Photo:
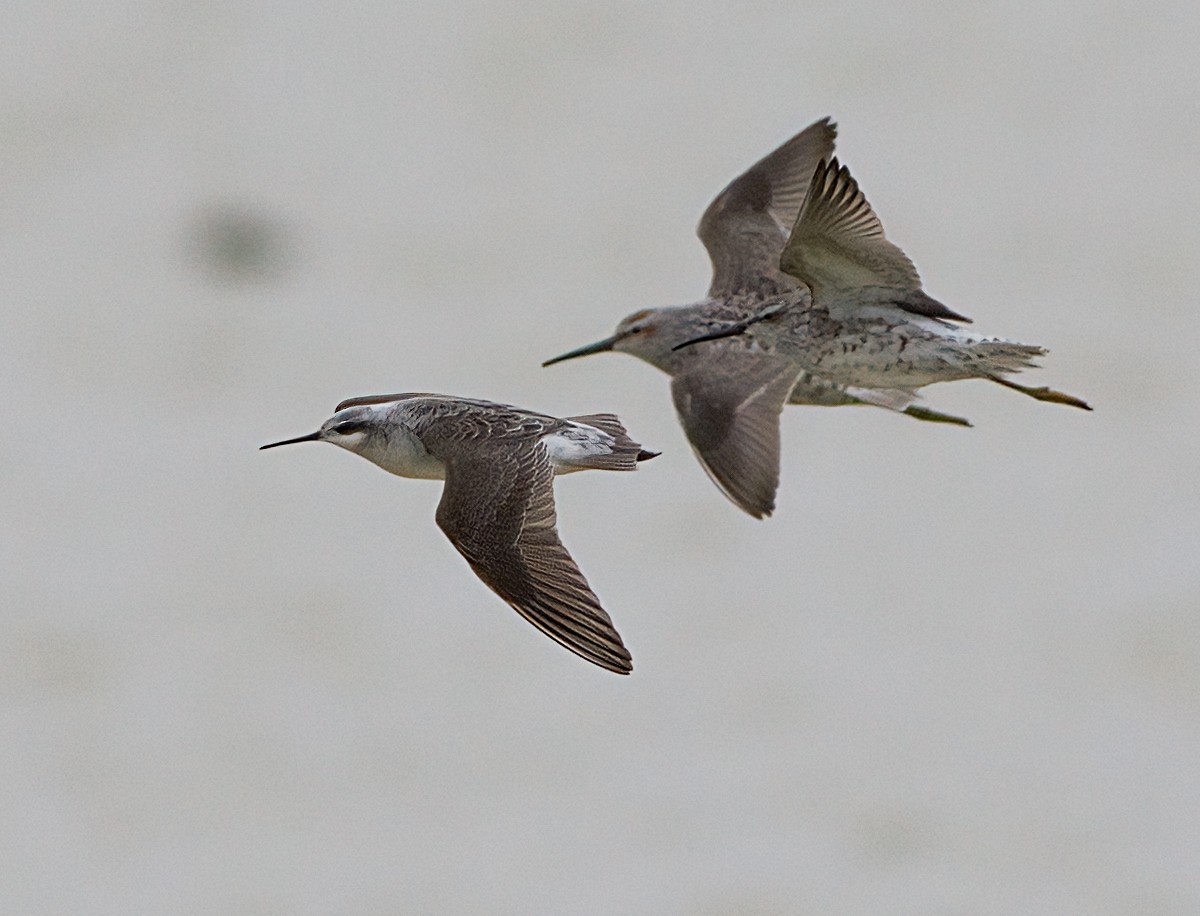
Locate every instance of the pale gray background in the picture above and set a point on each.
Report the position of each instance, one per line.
(958, 673)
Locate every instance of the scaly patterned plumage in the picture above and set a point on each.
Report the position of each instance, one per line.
(860, 317)
(729, 394)
(497, 506)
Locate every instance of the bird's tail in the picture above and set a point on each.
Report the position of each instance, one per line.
(997, 357)
(625, 453)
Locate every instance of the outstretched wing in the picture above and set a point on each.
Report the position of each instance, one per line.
(729, 406)
(837, 248)
(746, 225)
(497, 508)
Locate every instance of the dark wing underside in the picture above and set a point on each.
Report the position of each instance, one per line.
(497, 508)
(729, 406)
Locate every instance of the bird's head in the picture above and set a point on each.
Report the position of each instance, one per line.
(352, 429)
(648, 334)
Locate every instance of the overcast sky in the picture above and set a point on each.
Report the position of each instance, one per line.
(957, 673)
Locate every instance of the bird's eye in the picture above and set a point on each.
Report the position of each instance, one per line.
(348, 427)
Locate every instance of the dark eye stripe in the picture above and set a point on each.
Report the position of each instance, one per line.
(349, 426)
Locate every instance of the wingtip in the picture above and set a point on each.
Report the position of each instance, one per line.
(758, 513)
(621, 663)
(646, 455)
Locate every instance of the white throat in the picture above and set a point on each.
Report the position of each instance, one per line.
(398, 452)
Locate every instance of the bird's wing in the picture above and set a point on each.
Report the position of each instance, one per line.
(379, 399)
(497, 508)
(729, 406)
(745, 226)
(837, 248)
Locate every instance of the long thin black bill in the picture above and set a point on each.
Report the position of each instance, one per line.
(311, 437)
(600, 346)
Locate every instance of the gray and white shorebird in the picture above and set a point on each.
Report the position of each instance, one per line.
(860, 317)
(497, 506)
(729, 394)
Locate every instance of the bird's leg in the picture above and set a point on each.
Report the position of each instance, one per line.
(1043, 393)
(933, 416)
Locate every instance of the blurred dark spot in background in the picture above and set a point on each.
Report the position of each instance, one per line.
(239, 243)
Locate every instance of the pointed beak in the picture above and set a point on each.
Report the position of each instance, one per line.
(311, 437)
(600, 346)
(732, 331)
(741, 327)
